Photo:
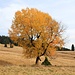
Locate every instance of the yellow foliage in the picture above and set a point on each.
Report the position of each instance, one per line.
(36, 32)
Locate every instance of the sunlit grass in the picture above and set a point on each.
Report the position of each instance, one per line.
(41, 70)
(12, 62)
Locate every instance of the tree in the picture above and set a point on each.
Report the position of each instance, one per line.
(11, 43)
(72, 47)
(5, 40)
(36, 32)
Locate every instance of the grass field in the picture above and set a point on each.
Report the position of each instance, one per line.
(12, 62)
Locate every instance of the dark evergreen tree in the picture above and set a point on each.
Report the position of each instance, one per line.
(72, 47)
(5, 41)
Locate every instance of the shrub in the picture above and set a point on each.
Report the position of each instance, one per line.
(46, 62)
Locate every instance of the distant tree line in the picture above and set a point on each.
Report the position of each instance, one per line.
(66, 49)
(63, 49)
(6, 40)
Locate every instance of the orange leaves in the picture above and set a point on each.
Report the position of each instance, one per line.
(36, 32)
(17, 14)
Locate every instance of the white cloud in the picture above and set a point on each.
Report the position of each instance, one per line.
(6, 17)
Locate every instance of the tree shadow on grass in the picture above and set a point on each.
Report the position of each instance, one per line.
(5, 63)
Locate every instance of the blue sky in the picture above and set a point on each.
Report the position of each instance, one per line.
(61, 10)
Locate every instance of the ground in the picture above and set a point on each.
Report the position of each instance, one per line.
(12, 62)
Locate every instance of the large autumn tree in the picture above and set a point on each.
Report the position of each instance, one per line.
(36, 32)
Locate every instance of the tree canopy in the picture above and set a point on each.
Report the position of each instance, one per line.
(36, 32)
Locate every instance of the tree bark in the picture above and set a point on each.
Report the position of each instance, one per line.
(37, 59)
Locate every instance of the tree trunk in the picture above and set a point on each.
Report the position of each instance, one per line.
(5, 45)
(37, 59)
(11, 45)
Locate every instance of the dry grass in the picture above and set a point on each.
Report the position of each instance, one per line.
(12, 62)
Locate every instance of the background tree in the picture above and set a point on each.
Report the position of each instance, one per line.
(36, 32)
(4, 40)
(72, 47)
(11, 43)
(7, 40)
